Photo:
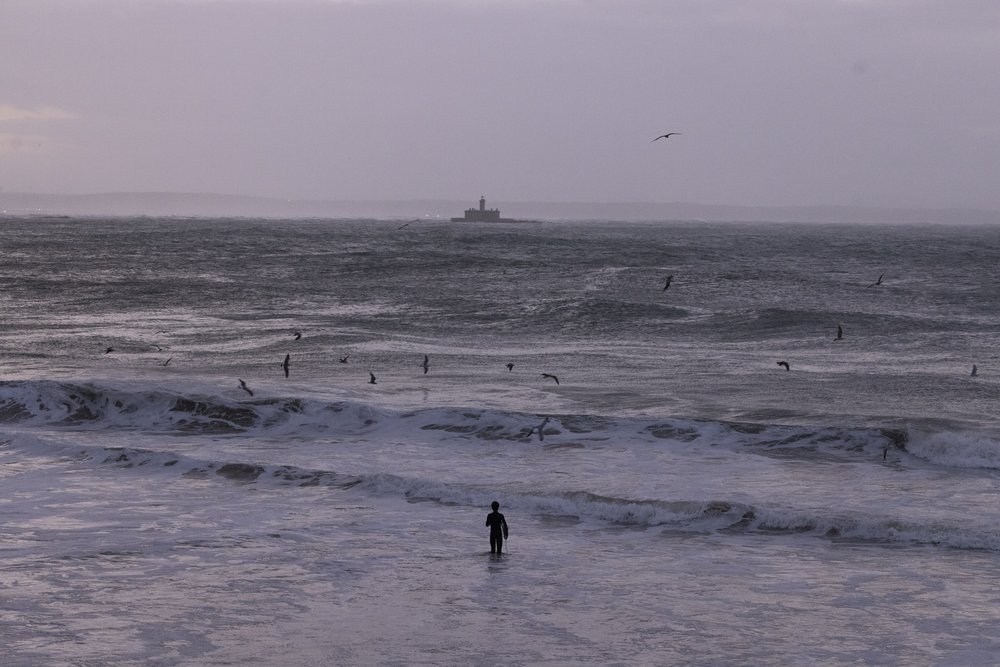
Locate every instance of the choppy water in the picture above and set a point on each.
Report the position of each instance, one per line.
(691, 502)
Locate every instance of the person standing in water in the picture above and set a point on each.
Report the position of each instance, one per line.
(498, 528)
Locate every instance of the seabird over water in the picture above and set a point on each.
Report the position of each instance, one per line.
(343, 359)
(372, 380)
(426, 364)
(541, 429)
(297, 334)
(407, 224)
(244, 387)
(166, 362)
(109, 350)
(785, 364)
(666, 136)
(877, 282)
(510, 367)
(549, 375)
(284, 364)
(670, 279)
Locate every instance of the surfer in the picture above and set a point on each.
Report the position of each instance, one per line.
(498, 528)
(840, 333)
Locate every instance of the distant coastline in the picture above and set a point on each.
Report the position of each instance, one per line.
(218, 205)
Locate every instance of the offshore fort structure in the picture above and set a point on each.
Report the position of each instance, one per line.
(482, 214)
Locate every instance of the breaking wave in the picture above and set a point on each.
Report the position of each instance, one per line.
(93, 406)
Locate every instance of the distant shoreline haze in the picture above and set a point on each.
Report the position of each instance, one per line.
(216, 205)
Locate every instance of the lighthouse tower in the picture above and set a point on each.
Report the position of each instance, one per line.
(482, 214)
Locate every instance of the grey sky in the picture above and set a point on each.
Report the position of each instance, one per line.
(779, 102)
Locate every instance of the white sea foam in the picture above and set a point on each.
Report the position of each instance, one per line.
(957, 450)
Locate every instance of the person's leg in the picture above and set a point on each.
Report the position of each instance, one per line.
(493, 544)
(499, 544)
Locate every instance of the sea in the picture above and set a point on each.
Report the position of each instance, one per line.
(220, 445)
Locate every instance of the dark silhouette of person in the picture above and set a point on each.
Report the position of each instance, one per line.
(498, 528)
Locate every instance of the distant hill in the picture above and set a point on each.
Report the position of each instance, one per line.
(216, 205)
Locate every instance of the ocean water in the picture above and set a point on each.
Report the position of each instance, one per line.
(688, 501)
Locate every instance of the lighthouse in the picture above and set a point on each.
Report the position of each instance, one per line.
(482, 214)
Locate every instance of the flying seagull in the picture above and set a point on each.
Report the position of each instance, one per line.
(666, 136)
(877, 282)
(343, 359)
(785, 364)
(549, 375)
(297, 334)
(840, 333)
(372, 381)
(109, 350)
(284, 364)
(408, 224)
(670, 279)
(244, 387)
(510, 367)
(426, 364)
(166, 362)
(541, 429)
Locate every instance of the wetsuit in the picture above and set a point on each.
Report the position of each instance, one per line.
(498, 531)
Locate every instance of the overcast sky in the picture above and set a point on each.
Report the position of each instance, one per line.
(779, 102)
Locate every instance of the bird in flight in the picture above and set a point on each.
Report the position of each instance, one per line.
(372, 380)
(343, 359)
(510, 367)
(785, 364)
(426, 364)
(244, 387)
(877, 282)
(670, 279)
(666, 136)
(297, 334)
(109, 350)
(284, 364)
(549, 375)
(166, 362)
(408, 224)
(541, 429)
